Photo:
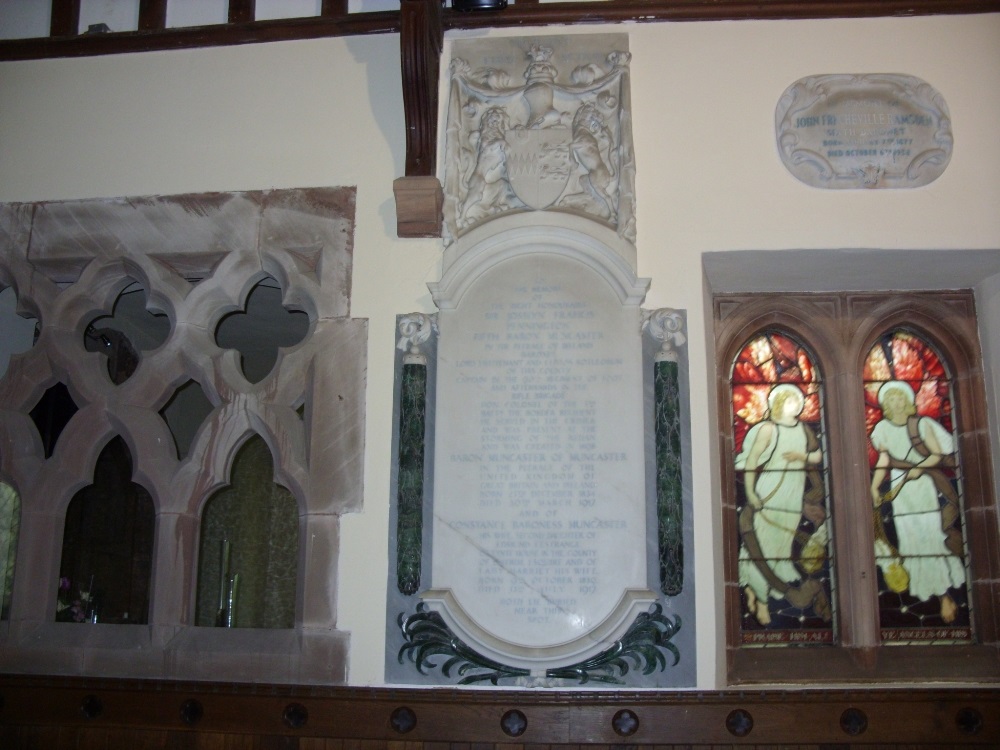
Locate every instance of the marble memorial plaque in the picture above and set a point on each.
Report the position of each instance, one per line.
(863, 131)
(539, 496)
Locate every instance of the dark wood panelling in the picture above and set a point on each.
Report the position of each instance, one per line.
(242, 30)
(38, 712)
(221, 35)
(645, 11)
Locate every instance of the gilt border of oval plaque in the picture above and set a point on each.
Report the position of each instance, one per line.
(877, 130)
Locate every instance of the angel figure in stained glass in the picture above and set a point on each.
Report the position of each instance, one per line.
(776, 456)
(912, 450)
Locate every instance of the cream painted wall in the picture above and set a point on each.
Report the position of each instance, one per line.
(329, 112)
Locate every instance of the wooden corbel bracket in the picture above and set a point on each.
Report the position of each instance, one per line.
(419, 197)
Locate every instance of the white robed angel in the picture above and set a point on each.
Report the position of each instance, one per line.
(774, 458)
(933, 568)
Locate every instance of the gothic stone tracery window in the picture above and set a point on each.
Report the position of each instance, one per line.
(169, 410)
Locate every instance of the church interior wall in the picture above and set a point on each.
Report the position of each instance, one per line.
(709, 180)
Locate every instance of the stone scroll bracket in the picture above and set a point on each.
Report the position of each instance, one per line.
(419, 197)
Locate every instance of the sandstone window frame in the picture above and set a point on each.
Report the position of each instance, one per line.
(839, 328)
(197, 256)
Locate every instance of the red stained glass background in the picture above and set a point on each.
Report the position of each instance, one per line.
(769, 359)
(901, 355)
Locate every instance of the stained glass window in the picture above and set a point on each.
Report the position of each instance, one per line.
(782, 504)
(916, 493)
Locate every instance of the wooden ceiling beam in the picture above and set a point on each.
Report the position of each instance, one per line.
(651, 11)
(334, 21)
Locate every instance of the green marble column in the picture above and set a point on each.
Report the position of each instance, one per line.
(669, 511)
(666, 326)
(410, 481)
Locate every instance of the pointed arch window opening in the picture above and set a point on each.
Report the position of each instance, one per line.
(248, 551)
(10, 524)
(107, 548)
(786, 565)
(921, 551)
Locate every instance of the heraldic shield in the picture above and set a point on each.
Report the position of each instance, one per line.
(539, 165)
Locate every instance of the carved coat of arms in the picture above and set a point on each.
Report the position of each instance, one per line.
(542, 143)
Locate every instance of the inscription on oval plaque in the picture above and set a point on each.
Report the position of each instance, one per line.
(863, 131)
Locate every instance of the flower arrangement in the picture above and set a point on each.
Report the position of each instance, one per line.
(69, 608)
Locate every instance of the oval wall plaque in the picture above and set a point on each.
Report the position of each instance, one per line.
(878, 130)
